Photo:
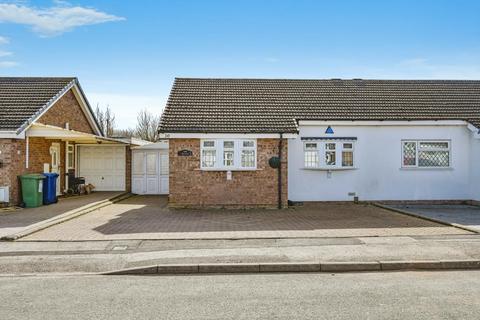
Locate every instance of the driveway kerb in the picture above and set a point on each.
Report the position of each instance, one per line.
(331, 267)
(413, 214)
(66, 216)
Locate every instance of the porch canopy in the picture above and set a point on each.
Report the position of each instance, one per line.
(53, 132)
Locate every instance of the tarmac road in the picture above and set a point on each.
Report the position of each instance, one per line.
(395, 295)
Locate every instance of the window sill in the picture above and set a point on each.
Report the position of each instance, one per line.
(426, 168)
(233, 169)
(331, 169)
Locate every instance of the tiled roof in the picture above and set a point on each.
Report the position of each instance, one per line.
(274, 105)
(21, 98)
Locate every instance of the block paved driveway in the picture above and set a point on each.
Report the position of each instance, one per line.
(147, 217)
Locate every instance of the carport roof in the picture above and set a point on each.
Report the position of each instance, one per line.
(200, 105)
(53, 132)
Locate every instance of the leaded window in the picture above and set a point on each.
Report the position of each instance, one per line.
(426, 154)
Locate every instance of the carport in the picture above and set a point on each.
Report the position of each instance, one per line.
(100, 160)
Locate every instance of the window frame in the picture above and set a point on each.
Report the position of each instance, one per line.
(209, 148)
(321, 152)
(237, 149)
(418, 149)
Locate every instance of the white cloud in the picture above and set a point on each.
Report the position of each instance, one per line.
(126, 107)
(8, 64)
(5, 53)
(54, 20)
(4, 40)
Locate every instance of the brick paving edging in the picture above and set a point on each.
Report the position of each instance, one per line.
(167, 269)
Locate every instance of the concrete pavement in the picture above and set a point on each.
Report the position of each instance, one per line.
(405, 295)
(23, 257)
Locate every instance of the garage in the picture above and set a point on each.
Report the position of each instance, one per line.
(150, 169)
(102, 166)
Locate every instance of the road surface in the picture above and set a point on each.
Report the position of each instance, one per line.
(401, 295)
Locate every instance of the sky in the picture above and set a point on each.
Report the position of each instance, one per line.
(127, 53)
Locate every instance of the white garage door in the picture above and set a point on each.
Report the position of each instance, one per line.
(150, 171)
(102, 166)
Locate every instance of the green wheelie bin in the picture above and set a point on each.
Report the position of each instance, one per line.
(32, 189)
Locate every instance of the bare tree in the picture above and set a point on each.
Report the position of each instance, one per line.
(147, 126)
(124, 133)
(106, 120)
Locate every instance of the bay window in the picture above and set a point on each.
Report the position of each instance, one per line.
(425, 154)
(232, 154)
(328, 154)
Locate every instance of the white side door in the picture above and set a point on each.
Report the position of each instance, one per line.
(164, 171)
(151, 173)
(55, 163)
(138, 172)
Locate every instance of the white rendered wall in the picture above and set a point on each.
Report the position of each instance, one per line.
(379, 174)
(475, 168)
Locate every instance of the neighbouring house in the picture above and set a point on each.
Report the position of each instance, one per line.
(334, 139)
(47, 125)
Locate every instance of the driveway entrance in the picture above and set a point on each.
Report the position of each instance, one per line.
(148, 217)
(20, 219)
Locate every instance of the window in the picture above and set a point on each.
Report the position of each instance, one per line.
(311, 155)
(248, 154)
(328, 154)
(70, 158)
(233, 154)
(347, 155)
(209, 154)
(228, 153)
(426, 154)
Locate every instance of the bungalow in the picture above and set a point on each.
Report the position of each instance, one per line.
(47, 125)
(262, 142)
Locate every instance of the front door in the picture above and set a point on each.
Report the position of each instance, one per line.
(55, 162)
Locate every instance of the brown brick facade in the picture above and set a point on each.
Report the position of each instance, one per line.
(192, 187)
(67, 110)
(14, 162)
(13, 151)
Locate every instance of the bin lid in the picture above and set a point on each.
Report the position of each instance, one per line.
(50, 174)
(33, 176)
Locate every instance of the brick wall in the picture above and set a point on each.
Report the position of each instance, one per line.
(191, 187)
(67, 109)
(14, 162)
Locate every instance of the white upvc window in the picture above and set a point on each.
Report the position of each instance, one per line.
(209, 154)
(228, 154)
(328, 154)
(426, 153)
(248, 153)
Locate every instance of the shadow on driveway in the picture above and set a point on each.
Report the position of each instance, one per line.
(465, 215)
(150, 214)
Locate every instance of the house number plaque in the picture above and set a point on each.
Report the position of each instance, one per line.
(185, 153)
